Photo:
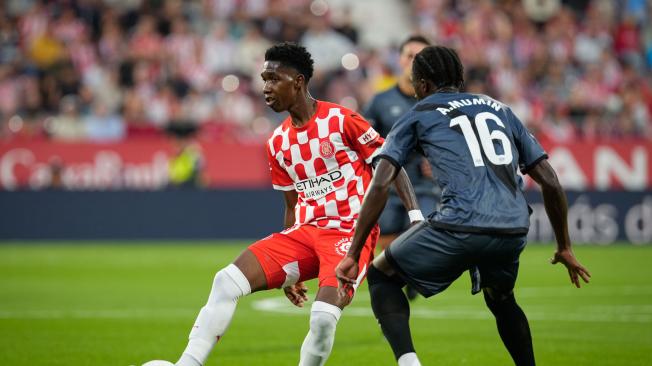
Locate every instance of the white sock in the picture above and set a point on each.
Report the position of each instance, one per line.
(319, 342)
(187, 360)
(409, 359)
(214, 318)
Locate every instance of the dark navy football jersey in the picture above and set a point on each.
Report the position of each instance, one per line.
(475, 146)
(382, 112)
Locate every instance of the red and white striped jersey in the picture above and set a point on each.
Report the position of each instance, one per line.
(328, 162)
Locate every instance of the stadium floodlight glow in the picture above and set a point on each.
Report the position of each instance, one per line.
(230, 83)
(15, 123)
(350, 61)
(318, 7)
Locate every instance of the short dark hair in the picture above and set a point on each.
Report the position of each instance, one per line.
(292, 55)
(413, 38)
(439, 65)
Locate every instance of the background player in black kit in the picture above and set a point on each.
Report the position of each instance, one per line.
(476, 146)
(382, 112)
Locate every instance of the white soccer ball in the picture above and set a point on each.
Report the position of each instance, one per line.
(158, 363)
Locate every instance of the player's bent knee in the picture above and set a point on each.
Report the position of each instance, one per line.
(498, 295)
(322, 325)
(497, 299)
(323, 320)
(376, 276)
(318, 343)
(229, 284)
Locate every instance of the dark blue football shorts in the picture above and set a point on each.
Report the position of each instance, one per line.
(430, 259)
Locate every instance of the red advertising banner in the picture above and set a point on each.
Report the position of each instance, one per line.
(143, 164)
(623, 165)
(134, 164)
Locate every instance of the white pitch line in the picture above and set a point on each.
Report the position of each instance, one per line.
(634, 313)
(615, 313)
(625, 313)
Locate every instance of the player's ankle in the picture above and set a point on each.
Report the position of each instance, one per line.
(197, 350)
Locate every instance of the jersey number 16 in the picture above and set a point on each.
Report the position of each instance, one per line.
(486, 139)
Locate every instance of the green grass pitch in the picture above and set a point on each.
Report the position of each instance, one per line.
(120, 304)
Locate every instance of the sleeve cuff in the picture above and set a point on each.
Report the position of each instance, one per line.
(283, 188)
(390, 159)
(534, 163)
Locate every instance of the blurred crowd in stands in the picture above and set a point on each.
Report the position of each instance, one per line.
(107, 70)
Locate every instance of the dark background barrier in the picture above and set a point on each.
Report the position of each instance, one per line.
(598, 217)
(194, 214)
(594, 217)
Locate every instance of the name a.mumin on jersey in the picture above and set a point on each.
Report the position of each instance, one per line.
(467, 102)
(318, 186)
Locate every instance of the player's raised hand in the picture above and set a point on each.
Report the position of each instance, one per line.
(575, 269)
(347, 274)
(297, 293)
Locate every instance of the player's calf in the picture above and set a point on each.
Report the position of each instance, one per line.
(214, 318)
(392, 310)
(512, 325)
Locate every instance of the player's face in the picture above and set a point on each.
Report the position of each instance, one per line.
(408, 53)
(281, 86)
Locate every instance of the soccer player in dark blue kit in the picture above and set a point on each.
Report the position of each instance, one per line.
(382, 112)
(475, 146)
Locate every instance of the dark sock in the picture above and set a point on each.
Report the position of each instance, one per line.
(392, 310)
(513, 326)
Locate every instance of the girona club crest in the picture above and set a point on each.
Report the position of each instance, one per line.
(326, 149)
(342, 247)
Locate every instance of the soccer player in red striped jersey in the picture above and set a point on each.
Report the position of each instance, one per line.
(327, 163)
(320, 158)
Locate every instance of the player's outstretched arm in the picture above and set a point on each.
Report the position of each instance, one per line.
(554, 200)
(372, 206)
(406, 191)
